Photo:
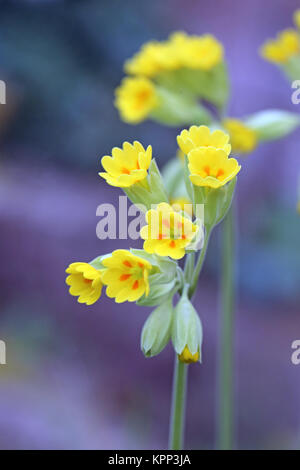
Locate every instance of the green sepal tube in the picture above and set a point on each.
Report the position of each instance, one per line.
(150, 191)
(156, 332)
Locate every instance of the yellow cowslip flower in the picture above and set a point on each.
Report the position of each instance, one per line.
(182, 204)
(153, 58)
(281, 49)
(197, 52)
(126, 166)
(187, 357)
(85, 282)
(168, 233)
(200, 136)
(126, 276)
(135, 99)
(296, 18)
(243, 139)
(211, 167)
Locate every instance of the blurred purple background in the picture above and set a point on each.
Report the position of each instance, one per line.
(75, 377)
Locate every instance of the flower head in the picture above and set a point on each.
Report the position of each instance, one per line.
(126, 276)
(168, 233)
(126, 166)
(187, 357)
(243, 139)
(211, 167)
(85, 282)
(201, 136)
(153, 58)
(197, 52)
(281, 49)
(135, 99)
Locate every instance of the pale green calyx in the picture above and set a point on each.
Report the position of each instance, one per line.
(186, 328)
(156, 331)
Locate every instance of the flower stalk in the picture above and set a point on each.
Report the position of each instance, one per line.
(177, 420)
(226, 352)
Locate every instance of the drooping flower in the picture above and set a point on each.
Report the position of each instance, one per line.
(85, 282)
(187, 357)
(281, 49)
(197, 52)
(243, 139)
(211, 167)
(135, 99)
(126, 276)
(126, 166)
(168, 233)
(201, 136)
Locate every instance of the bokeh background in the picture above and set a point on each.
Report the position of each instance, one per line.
(75, 377)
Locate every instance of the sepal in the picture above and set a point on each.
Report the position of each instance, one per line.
(186, 327)
(156, 332)
(273, 124)
(150, 191)
(216, 202)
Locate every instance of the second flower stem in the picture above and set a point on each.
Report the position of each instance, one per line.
(178, 405)
(226, 355)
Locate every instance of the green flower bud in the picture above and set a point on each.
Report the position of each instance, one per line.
(187, 331)
(156, 331)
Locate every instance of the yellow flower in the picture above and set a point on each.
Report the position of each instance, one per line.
(187, 357)
(197, 52)
(126, 276)
(85, 282)
(296, 18)
(279, 50)
(153, 58)
(182, 204)
(135, 99)
(168, 233)
(126, 166)
(200, 136)
(211, 167)
(243, 139)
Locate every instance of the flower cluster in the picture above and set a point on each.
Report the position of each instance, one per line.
(167, 81)
(284, 51)
(156, 73)
(152, 276)
(178, 51)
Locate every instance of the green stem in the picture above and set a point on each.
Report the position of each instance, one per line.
(226, 379)
(178, 405)
(199, 264)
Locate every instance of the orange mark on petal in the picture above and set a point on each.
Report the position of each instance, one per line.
(125, 171)
(87, 281)
(135, 285)
(172, 244)
(160, 236)
(126, 263)
(124, 277)
(140, 264)
(207, 170)
(220, 172)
